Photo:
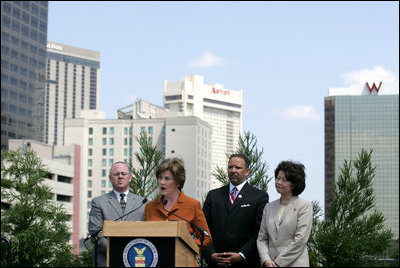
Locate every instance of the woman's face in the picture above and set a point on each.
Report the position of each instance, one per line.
(167, 183)
(283, 186)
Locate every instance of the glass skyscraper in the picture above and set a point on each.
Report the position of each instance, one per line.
(23, 65)
(365, 116)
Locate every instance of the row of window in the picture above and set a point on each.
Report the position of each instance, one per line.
(111, 130)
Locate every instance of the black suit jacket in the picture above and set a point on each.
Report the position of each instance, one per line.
(235, 228)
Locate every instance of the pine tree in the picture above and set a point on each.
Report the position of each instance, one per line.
(144, 181)
(353, 230)
(35, 225)
(258, 169)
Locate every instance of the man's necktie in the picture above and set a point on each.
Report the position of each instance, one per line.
(233, 194)
(122, 202)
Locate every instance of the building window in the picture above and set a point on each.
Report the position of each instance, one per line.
(142, 129)
(104, 130)
(111, 130)
(103, 172)
(125, 131)
(104, 162)
(104, 141)
(90, 162)
(89, 183)
(90, 131)
(111, 141)
(150, 130)
(103, 183)
(90, 141)
(89, 173)
(104, 151)
(89, 194)
(90, 151)
(111, 153)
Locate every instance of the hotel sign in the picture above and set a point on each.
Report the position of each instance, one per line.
(373, 87)
(54, 46)
(220, 91)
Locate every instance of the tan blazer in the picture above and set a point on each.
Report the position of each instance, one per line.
(285, 241)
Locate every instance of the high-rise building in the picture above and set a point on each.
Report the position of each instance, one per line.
(23, 62)
(365, 116)
(106, 141)
(72, 85)
(220, 107)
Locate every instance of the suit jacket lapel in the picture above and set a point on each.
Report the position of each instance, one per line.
(275, 212)
(112, 199)
(289, 207)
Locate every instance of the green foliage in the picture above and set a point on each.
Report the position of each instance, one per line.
(352, 230)
(258, 169)
(144, 181)
(35, 225)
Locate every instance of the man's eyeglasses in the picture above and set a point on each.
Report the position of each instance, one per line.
(116, 174)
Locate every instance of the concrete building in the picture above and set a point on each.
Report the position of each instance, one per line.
(23, 62)
(72, 85)
(63, 162)
(366, 116)
(106, 141)
(220, 107)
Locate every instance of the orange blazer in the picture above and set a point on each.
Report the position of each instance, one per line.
(185, 207)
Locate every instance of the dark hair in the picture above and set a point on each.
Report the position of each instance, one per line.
(294, 173)
(246, 160)
(175, 165)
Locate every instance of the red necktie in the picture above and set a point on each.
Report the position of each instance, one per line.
(233, 195)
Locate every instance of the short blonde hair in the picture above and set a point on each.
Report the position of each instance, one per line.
(176, 167)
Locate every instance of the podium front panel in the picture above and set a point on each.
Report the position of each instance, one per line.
(136, 251)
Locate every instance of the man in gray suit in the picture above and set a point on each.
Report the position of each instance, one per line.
(118, 204)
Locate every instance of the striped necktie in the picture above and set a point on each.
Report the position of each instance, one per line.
(122, 202)
(233, 194)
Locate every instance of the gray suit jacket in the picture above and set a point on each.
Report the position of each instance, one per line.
(285, 241)
(107, 207)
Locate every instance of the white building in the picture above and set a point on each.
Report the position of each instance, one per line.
(63, 162)
(72, 85)
(106, 141)
(220, 107)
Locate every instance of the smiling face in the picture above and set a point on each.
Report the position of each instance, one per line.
(237, 171)
(167, 183)
(120, 177)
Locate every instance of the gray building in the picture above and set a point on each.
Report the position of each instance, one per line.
(23, 63)
(365, 116)
(72, 85)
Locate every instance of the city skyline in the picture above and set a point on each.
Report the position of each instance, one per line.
(284, 56)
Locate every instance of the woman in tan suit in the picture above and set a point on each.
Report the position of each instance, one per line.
(286, 222)
(171, 178)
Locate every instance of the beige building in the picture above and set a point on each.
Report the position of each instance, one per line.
(63, 162)
(105, 141)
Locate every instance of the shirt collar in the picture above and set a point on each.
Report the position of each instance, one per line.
(117, 194)
(239, 187)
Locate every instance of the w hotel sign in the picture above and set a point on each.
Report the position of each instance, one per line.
(373, 87)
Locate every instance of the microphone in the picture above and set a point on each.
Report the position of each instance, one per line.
(133, 210)
(201, 230)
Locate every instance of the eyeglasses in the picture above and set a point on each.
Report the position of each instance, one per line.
(116, 174)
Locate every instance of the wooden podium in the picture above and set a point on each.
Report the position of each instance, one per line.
(166, 243)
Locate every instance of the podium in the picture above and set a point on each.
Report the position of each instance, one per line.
(149, 243)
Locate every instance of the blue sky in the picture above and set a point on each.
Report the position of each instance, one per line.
(283, 55)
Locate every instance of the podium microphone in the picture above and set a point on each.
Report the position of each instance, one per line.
(201, 230)
(143, 202)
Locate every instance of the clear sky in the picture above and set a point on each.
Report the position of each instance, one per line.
(283, 55)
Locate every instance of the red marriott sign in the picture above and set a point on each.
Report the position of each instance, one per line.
(220, 91)
(373, 87)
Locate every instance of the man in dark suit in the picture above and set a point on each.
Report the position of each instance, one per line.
(113, 206)
(233, 213)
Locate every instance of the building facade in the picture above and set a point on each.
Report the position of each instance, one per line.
(72, 85)
(23, 62)
(63, 162)
(106, 141)
(365, 116)
(220, 107)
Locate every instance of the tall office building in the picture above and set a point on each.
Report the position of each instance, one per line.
(72, 85)
(23, 62)
(220, 107)
(365, 116)
(106, 141)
